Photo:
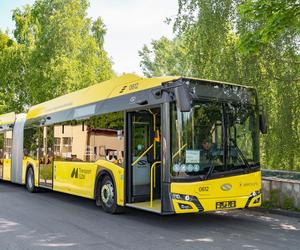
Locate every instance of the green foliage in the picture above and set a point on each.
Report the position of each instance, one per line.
(288, 202)
(46, 172)
(214, 35)
(275, 197)
(58, 49)
(279, 200)
(13, 87)
(99, 31)
(5, 41)
(164, 57)
(109, 121)
(267, 20)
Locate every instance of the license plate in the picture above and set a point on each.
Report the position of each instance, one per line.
(225, 204)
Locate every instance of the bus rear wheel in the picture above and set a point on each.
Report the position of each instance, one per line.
(108, 196)
(30, 180)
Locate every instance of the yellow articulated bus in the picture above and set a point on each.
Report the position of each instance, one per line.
(166, 145)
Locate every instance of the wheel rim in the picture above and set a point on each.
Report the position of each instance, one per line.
(107, 194)
(30, 179)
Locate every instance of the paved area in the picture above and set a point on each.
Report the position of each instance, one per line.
(50, 220)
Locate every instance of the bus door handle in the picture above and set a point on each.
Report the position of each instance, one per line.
(153, 180)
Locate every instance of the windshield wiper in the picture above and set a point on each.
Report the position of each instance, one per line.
(210, 170)
(239, 152)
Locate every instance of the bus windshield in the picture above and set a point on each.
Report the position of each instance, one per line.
(214, 137)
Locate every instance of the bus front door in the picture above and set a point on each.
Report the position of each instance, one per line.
(143, 143)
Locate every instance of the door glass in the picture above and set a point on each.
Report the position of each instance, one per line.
(46, 156)
(141, 141)
(31, 143)
(1, 154)
(145, 150)
(7, 144)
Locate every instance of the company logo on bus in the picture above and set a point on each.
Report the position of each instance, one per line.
(226, 187)
(132, 99)
(79, 173)
(74, 173)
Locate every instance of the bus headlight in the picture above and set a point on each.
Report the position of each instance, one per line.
(183, 197)
(188, 198)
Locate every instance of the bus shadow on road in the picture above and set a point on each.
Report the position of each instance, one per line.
(213, 221)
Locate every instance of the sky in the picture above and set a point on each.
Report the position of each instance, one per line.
(130, 24)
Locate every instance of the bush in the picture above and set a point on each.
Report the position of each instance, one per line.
(280, 200)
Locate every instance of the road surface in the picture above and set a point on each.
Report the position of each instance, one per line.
(50, 220)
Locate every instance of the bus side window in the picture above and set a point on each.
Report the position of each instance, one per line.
(106, 133)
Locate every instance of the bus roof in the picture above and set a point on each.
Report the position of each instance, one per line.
(108, 89)
(8, 118)
(126, 84)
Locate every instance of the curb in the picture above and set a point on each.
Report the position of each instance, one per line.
(278, 211)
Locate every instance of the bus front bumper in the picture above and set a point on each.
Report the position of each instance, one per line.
(192, 204)
(234, 192)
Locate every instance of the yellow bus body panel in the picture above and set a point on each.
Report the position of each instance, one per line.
(209, 192)
(118, 175)
(118, 86)
(6, 169)
(8, 118)
(78, 178)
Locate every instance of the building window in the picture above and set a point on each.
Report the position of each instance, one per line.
(67, 146)
(57, 142)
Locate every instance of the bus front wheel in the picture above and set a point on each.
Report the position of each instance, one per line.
(108, 196)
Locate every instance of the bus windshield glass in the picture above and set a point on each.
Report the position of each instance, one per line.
(214, 137)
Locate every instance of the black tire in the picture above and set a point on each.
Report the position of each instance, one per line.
(30, 180)
(108, 196)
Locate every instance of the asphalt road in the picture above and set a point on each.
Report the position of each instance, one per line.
(50, 220)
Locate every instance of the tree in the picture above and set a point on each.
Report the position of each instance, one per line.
(57, 49)
(13, 92)
(164, 57)
(268, 20)
(213, 34)
(5, 41)
(99, 31)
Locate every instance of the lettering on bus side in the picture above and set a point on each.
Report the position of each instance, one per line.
(134, 86)
(79, 173)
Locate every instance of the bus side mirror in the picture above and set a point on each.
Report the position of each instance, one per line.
(262, 121)
(183, 98)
